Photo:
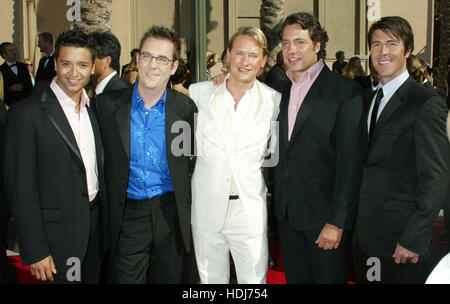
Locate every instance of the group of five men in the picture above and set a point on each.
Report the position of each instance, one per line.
(116, 176)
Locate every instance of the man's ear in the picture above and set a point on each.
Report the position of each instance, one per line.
(175, 65)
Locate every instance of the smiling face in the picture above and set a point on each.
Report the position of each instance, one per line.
(388, 55)
(152, 76)
(299, 51)
(73, 67)
(246, 59)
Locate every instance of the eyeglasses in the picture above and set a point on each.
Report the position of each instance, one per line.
(160, 60)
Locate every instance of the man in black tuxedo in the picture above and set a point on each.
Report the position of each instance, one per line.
(321, 152)
(16, 78)
(147, 173)
(406, 171)
(46, 69)
(54, 172)
(107, 62)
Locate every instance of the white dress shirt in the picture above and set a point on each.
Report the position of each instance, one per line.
(101, 86)
(388, 90)
(84, 135)
(237, 117)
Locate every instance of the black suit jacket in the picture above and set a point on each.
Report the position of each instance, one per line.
(48, 72)
(115, 83)
(318, 175)
(45, 181)
(114, 112)
(9, 79)
(406, 173)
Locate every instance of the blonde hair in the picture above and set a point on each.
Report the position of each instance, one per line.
(253, 32)
(352, 69)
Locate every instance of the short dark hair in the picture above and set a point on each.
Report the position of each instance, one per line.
(397, 26)
(316, 31)
(3, 47)
(161, 32)
(75, 38)
(106, 44)
(46, 36)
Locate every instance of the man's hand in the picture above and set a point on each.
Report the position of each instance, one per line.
(402, 255)
(43, 269)
(330, 237)
(218, 79)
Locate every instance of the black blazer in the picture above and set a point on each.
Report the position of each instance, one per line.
(114, 112)
(48, 72)
(115, 83)
(45, 181)
(318, 175)
(9, 79)
(406, 173)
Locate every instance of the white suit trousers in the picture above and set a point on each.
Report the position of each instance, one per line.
(250, 253)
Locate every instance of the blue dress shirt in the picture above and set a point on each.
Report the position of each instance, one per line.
(149, 170)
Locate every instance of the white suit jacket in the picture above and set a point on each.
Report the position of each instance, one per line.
(223, 154)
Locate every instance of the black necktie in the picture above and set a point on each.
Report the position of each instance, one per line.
(373, 117)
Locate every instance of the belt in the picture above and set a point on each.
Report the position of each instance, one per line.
(166, 197)
(233, 197)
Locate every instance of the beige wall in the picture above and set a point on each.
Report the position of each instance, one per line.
(131, 18)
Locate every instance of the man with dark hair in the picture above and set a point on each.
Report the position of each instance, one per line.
(107, 62)
(16, 78)
(406, 171)
(339, 64)
(321, 152)
(46, 68)
(370, 82)
(276, 77)
(148, 173)
(54, 172)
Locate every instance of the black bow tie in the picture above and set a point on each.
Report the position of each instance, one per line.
(375, 83)
(14, 64)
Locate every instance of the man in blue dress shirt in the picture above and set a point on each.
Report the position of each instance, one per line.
(149, 168)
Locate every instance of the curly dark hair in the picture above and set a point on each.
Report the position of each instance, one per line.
(76, 38)
(316, 31)
(106, 44)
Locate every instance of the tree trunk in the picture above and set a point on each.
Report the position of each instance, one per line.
(444, 46)
(271, 18)
(95, 15)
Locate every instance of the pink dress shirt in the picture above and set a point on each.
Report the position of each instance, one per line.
(299, 90)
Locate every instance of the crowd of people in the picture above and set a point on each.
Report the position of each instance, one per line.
(142, 177)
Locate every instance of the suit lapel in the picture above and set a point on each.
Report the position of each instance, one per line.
(310, 102)
(171, 117)
(391, 107)
(55, 113)
(218, 110)
(123, 117)
(97, 137)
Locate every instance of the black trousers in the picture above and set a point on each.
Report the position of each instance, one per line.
(306, 263)
(92, 262)
(389, 271)
(150, 248)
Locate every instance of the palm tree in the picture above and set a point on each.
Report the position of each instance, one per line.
(271, 18)
(444, 45)
(95, 15)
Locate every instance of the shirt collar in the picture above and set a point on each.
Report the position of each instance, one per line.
(64, 99)
(11, 63)
(137, 102)
(101, 86)
(392, 86)
(309, 74)
(249, 92)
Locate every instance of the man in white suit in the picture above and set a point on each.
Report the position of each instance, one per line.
(234, 127)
